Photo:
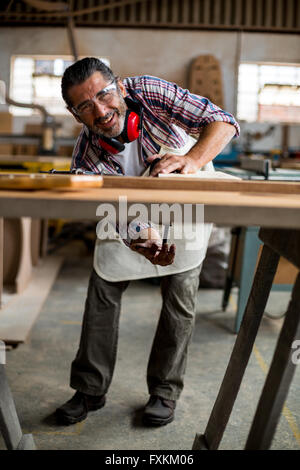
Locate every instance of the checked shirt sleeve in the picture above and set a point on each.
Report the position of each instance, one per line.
(178, 106)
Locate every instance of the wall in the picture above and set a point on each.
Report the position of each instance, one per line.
(165, 53)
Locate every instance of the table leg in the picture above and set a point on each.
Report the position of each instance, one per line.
(1, 260)
(240, 355)
(9, 422)
(249, 260)
(278, 380)
(235, 238)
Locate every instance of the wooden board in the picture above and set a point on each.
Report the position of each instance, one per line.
(205, 79)
(6, 127)
(20, 181)
(25, 181)
(202, 184)
(222, 207)
(292, 164)
(226, 202)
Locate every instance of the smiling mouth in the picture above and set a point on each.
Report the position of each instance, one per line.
(106, 122)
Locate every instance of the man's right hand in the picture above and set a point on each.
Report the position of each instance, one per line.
(154, 251)
(149, 244)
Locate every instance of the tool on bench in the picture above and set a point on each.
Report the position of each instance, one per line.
(67, 172)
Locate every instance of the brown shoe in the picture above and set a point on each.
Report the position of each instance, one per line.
(77, 408)
(159, 411)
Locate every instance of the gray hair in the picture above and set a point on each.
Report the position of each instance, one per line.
(80, 71)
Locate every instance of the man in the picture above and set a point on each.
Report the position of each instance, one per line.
(126, 126)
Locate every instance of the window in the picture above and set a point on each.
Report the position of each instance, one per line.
(37, 79)
(269, 92)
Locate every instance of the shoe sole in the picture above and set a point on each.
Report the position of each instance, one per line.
(149, 421)
(66, 419)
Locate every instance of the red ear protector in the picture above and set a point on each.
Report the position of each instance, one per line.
(130, 133)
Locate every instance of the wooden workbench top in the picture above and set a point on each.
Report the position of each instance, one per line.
(233, 202)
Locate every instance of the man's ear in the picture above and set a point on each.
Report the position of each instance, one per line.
(75, 115)
(122, 87)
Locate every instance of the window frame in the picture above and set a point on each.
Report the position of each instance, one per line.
(240, 113)
(28, 112)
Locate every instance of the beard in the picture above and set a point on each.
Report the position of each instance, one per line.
(115, 130)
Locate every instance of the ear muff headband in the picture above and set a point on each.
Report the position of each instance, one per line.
(111, 145)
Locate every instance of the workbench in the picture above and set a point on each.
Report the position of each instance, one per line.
(273, 205)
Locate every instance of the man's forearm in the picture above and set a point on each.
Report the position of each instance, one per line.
(213, 139)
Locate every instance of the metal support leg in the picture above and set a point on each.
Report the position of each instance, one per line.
(241, 352)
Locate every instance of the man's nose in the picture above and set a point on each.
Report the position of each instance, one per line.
(100, 109)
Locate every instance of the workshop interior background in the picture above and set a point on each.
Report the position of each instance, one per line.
(245, 57)
(163, 38)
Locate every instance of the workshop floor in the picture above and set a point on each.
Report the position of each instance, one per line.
(38, 372)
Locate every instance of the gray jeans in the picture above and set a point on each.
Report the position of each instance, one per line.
(93, 367)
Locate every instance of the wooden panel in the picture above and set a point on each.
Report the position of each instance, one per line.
(286, 271)
(284, 242)
(6, 121)
(6, 125)
(205, 79)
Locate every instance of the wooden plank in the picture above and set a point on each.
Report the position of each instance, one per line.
(198, 184)
(290, 163)
(112, 194)
(6, 126)
(46, 181)
(156, 195)
(223, 207)
(18, 316)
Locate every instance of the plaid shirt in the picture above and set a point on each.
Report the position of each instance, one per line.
(169, 114)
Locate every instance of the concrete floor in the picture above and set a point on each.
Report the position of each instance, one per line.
(38, 372)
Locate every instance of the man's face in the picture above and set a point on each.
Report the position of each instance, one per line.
(104, 116)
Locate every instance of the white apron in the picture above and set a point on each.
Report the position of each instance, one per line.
(114, 261)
